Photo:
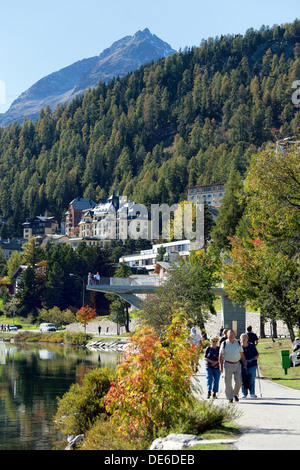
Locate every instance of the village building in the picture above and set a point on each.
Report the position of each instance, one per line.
(9, 246)
(114, 218)
(86, 224)
(75, 211)
(50, 239)
(211, 193)
(39, 226)
(147, 259)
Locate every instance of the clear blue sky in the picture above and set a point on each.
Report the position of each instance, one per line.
(39, 37)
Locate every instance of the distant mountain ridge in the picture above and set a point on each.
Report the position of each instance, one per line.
(186, 120)
(124, 55)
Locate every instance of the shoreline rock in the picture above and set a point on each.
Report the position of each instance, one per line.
(116, 346)
(176, 442)
(73, 441)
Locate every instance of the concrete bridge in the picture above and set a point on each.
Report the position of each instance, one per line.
(131, 288)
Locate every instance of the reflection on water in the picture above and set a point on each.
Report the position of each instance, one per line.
(31, 379)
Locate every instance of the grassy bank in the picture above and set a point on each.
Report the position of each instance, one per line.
(61, 337)
(20, 322)
(270, 362)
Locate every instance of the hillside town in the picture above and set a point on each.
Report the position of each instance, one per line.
(99, 223)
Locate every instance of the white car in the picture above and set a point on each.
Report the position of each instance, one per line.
(13, 328)
(46, 327)
(295, 356)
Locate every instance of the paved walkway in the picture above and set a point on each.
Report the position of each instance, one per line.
(269, 422)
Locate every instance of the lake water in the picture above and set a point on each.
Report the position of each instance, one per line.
(31, 379)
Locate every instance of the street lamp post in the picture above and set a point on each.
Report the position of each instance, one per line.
(79, 277)
(14, 292)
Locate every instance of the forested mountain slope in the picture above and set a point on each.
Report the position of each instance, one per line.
(184, 120)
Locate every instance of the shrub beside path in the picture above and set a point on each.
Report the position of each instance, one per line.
(268, 422)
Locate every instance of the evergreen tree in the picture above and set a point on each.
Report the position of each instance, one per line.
(13, 263)
(55, 288)
(32, 254)
(27, 293)
(3, 264)
(230, 212)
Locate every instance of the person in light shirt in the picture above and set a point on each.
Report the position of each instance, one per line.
(231, 353)
(194, 338)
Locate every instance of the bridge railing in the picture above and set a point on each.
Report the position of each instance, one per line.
(126, 281)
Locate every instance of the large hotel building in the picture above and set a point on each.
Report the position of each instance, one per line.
(213, 193)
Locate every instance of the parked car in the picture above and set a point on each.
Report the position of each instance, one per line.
(295, 356)
(13, 328)
(45, 327)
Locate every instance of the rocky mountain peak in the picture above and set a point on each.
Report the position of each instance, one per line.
(123, 56)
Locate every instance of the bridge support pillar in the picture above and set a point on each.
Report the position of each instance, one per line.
(234, 316)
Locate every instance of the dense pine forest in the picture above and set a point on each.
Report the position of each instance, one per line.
(184, 120)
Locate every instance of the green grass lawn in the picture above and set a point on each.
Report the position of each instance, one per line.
(18, 321)
(270, 362)
(226, 432)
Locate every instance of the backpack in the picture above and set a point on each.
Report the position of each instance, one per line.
(226, 340)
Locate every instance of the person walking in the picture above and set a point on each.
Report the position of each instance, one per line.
(252, 337)
(223, 337)
(195, 338)
(231, 352)
(248, 376)
(213, 373)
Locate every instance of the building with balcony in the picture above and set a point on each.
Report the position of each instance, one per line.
(104, 218)
(133, 220)
(75, 212)
(115, 218)
(39, 226)
(147, 259)
(212, 193)
(9, 246)
(89, 241)
(86, 224)
(283, 145)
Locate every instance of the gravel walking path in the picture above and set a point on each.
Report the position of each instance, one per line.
(268, 422)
